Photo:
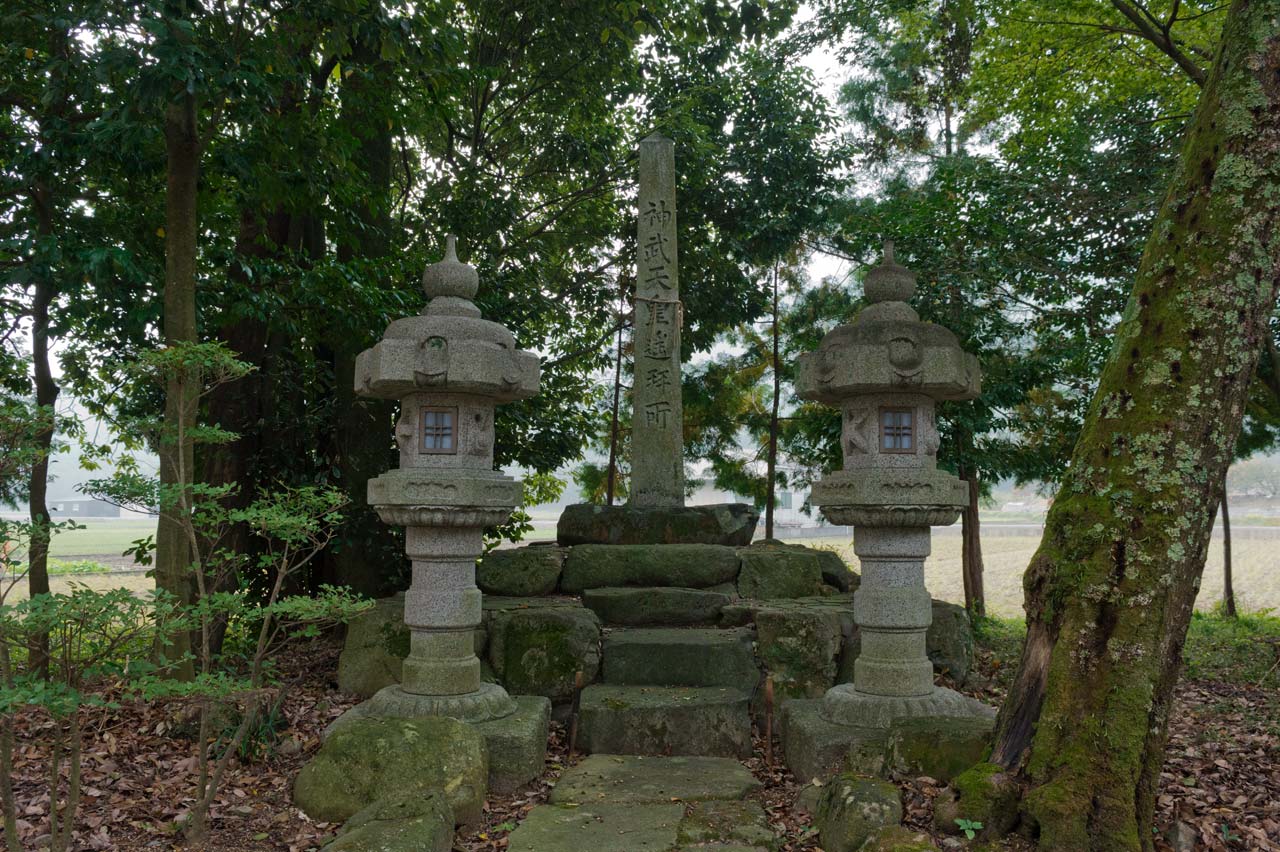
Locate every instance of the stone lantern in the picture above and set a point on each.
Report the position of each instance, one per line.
(886, 371)
(449, 368)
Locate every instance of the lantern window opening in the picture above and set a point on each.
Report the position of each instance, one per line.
(439, 429)
(897, 430)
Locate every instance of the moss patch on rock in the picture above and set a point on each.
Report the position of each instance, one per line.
(775, 570)
(853, 809)
(421, 821)
(742, 823)
(367, 759)
(984, 793)
(940, 747)
(520, 571)
(538, 651)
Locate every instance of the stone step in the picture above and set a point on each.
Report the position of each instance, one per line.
(665, 720)
(618, 778)
(656, 605)
(675, 656)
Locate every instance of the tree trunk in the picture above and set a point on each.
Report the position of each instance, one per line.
(1109, 592)
(1228, 588)
(611, 486)
(173, 558)
(771, 475)
(46, 399)
(975, 598)
(363, 428)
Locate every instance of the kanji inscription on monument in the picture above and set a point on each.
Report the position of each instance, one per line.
(657, 463)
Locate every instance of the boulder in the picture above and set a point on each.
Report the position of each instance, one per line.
(836, 572)
(798, 647)
(521, 571)
(776, 570)
(376, 644)
(940, 747)
(853, 808)
(983, 794)
(368, 758)
(537, 651)
(691, 566)
(949, 641)
(730, 524)
(421, 821)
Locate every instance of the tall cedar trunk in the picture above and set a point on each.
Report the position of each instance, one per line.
(46, 399)
(611, 484)
(173, 557)
(363, 428)
(975, 597)
(1109, 593)
(771, 474)
(1228, 587)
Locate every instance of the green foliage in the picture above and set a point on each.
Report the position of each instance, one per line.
(1241, 650)
(970, 827)
(538, 488)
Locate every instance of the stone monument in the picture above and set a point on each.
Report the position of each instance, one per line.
(655, 512)
(449, 368)
(885, 372)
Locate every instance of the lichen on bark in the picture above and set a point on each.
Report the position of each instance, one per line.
(1109, 592)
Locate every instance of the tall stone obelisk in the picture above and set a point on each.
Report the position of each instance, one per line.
(657, 417)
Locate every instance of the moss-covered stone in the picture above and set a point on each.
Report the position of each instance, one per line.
(521, 571)
(691, 566)
(619, 778)
(949, 641)
(815, 749)
(517, 743)
(537, 651)
(665, 720)
(836, 572)
(984, 793)
(598, 827)
(798, 647)
(854, 808)
(939, 747)
(660, 605)
(742, 823)
(376, 644)
(672, 656)
(898, 838)
(775, 570)
(731, 524)
(367, 759)
(421, 821)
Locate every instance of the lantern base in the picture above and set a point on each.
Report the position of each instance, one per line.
(490, 702)
(844, 705)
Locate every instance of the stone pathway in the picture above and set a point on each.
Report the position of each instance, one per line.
(623, 803)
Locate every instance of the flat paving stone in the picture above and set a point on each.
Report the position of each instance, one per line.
(616, 779)
(598, 827)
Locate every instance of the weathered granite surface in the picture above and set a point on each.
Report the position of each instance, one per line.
(772, 570)
(520, 571)
(367, 759)
(538, 650)
(659, 605)
(665, 720)
(694, 566)
(722, 825)
(670, 656)
(941, 748)
(421, 821)
(853, 809)
(657, 418)
(598, 827)
(517, 744)
(731, 524)
(623, 778)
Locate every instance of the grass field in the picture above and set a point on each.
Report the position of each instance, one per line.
(101, 537)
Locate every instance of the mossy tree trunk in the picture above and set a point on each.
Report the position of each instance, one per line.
(1110, 591)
